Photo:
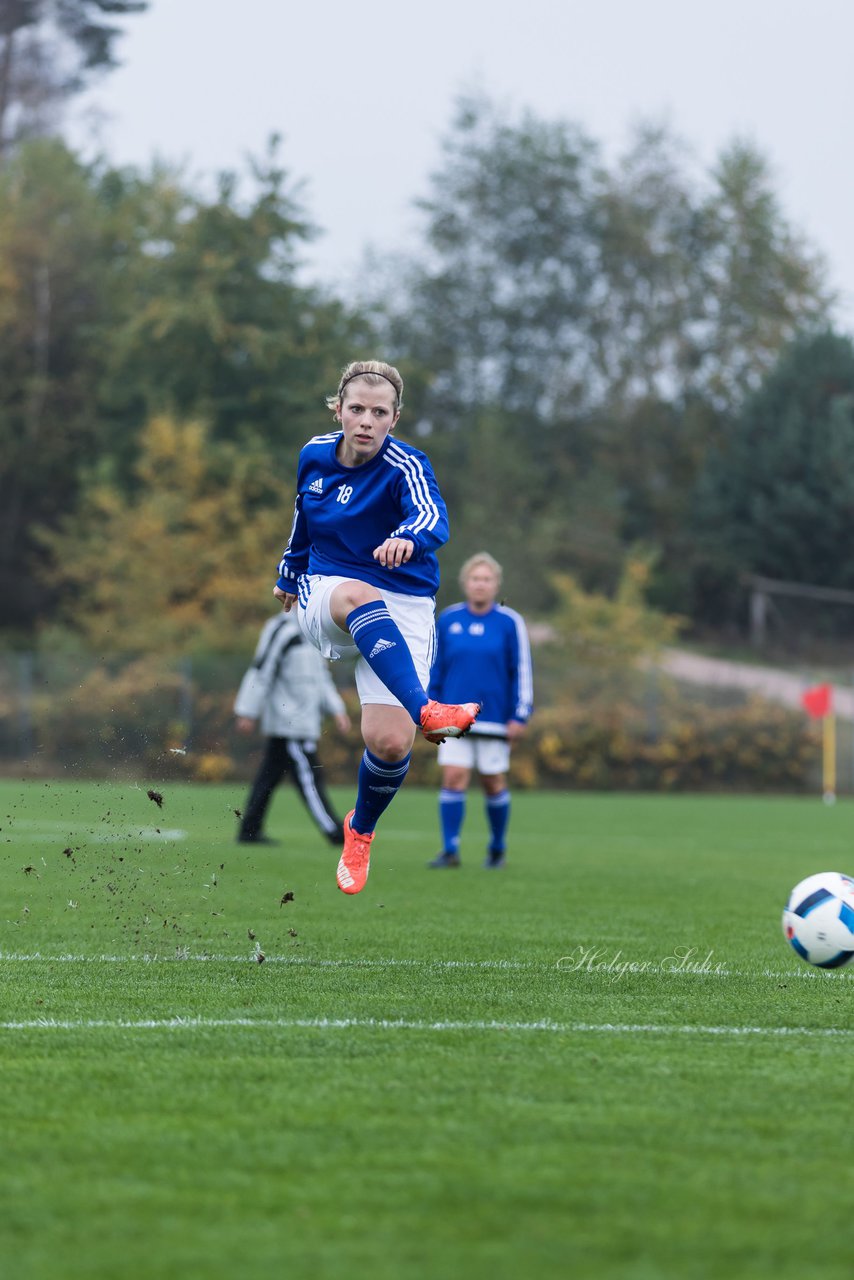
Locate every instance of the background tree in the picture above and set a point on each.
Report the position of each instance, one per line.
(760, 283)
(208, 318)
(776, 497)
(50, 49)
(575, 338)
(52, 288)
(493, 323)
(604, 324)
(608, 639)
(182, 566)
(509, 265)
(124, 295)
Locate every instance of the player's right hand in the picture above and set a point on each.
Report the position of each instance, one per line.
(287, 598)
(394, 552)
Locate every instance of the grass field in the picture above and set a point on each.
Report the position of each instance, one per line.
(603, 1061)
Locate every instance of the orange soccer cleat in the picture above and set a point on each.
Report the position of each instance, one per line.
(441, 720)
(355, 862)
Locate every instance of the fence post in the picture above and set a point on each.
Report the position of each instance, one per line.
(25, 705)
(758, 617)
(186, 699)
(652, 700)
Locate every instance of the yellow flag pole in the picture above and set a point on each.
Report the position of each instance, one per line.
(828, 740)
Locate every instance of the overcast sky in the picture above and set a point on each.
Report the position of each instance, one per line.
(362, 93)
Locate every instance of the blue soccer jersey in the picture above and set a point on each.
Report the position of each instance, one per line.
(484, 657)
(343, 513)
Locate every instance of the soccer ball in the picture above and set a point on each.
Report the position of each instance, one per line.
(818, 919)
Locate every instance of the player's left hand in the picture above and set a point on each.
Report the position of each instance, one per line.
(394, 552)
(515, 730)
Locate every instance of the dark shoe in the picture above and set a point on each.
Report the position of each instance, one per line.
(445, 860)
(495, 858)
(257, 840)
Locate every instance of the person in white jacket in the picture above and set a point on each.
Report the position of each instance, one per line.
(288, 689)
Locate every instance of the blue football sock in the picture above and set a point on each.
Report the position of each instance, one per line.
(498, 816)
(383, 647)
(379, 783)
(452, 811)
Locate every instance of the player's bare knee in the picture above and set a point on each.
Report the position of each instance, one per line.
(390, 745)
(387, 731)
(348, 596)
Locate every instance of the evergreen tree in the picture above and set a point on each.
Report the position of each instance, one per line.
(776, 498)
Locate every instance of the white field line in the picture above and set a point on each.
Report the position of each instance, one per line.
(38, 834)
(613, 972)
(405, 1024)
(306, 961)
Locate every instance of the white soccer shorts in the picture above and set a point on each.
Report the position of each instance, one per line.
(486, 755)
(414, 616)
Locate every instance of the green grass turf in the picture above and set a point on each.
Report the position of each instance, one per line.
(602, 1061)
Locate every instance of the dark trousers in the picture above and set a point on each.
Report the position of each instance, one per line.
(289, 757)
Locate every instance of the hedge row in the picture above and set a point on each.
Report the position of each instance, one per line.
(139, 718)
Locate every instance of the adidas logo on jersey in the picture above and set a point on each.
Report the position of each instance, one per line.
(380, 647)
(316, 486)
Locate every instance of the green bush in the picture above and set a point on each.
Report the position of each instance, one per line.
(596, 729)
(690, 747)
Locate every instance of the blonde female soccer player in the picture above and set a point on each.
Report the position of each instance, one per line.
(484, 646)
(361, 565)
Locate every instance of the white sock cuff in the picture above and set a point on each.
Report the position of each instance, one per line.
(496, 802)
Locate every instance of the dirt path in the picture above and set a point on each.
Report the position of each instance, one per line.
(777, 686)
